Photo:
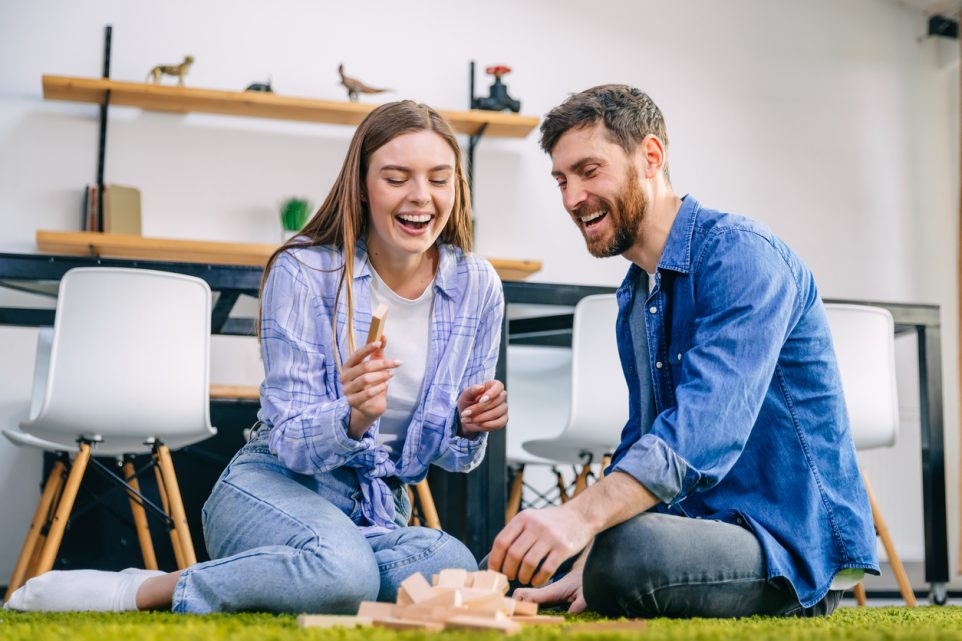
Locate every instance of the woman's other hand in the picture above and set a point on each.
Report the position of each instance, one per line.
(483, 408)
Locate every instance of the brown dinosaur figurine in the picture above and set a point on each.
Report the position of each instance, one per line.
(355, 86)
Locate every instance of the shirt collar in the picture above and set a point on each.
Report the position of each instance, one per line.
(445, 280)
(676, 256)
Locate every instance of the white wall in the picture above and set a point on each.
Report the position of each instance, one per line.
(827, 120)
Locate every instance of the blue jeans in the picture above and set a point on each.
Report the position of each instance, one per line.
(287, 542)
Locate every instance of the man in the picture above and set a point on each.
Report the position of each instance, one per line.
(735, 489)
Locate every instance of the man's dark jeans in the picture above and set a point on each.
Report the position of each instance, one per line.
(660, 565)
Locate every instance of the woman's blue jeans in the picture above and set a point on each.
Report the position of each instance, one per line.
(287, 542)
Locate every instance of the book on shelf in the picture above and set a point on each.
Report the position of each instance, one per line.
(121, 209)
(88, 221)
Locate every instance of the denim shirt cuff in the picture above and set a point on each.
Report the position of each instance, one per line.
(658, 467)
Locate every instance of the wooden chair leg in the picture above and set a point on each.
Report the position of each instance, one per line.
(176, 505)
(165, 504)
(883, 533)
(140, 518)
(45, 529)
(581, 481)
(514, 500)
(605, 462)
(562, 488)
(859, 591)
(55, 533)
(50, 489)
(426, 500)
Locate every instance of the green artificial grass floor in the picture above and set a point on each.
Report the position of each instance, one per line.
(846, 624)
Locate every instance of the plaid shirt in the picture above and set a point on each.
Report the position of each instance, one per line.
(301, 396)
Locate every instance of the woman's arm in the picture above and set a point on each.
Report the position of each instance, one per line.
(310, 418)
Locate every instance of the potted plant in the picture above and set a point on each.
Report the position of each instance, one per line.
(294, 215)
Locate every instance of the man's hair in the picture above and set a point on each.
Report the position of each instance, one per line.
(629, 115)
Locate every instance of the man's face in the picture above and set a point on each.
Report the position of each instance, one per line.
(600, 189)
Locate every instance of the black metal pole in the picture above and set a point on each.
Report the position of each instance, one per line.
(102, 147)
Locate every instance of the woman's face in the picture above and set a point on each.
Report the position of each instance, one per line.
(410, 192)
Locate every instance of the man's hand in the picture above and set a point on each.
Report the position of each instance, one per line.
(532, 546)
(537, 542)
(567, 590)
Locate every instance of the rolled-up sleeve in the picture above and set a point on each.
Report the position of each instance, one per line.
(747, 301)
(309, 420)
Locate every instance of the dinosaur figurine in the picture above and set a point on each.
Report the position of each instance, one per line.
(355, 86)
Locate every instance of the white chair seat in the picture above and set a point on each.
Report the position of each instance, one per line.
(116, 446)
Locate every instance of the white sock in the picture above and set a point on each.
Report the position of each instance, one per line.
(88, 590)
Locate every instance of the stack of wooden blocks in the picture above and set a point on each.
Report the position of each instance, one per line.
(457, 600)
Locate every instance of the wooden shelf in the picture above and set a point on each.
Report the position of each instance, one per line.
(261, 105)
(86, 243)
(235, 392)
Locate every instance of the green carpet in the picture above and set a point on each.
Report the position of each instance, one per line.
(846, 624)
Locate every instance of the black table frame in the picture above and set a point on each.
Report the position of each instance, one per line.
(472, 505)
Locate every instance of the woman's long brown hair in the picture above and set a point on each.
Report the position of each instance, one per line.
(343, 218)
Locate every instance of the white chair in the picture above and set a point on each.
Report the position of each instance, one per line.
(539, 379)
(124, 371)
(598, 407)
(864, 343)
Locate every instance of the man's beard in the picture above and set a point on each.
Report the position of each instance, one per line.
(625, 216)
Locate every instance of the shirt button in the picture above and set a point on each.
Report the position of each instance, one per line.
(658, 364)
(679, 355)
(653, 309)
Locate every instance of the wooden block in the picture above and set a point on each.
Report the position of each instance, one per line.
(538, 619)
(481, 624)
(331, 621)
(434, 579)
(469, 594)
(417, 587)
(443, 598)
(509, 605)
(489, 580)
(454, 578)
(377, 324)
(483, 614)
(376, 610)
(608, 626)
(403, 598)
(406, 624)
(490, 601)
(421, 613)
(525, 608)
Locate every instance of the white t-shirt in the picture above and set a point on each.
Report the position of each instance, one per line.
(407, 328)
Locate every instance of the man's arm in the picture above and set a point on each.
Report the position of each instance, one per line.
(549, 536)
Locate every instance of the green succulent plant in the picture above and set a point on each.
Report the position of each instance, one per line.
(294, 213)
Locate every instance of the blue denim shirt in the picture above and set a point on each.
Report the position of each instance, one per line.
(750, 425)
(301, 396)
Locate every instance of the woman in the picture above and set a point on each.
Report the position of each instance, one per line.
(311, 515)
